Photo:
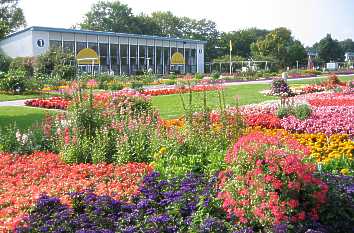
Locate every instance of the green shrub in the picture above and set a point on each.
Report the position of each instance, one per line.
(5, 62)
(23, 64)
(302, 111)
(198, 76)
(215, 75)
(55, 62)
(116, 86)
(15, 81)
(136, 85)
(285, 111)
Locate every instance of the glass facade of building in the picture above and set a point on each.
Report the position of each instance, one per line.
(125, 55)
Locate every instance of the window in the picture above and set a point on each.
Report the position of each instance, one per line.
(54, 44)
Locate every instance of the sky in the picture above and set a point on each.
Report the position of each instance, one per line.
(309, 20)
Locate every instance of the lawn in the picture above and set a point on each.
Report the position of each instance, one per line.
(23, 117)
(7, 97)
(170, 106)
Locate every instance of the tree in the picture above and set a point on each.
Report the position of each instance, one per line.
(110, 16)
(347, 45)
(279, 46)
(241, 41)
(296, 52)
(329, 49)
(168, 24)
(11, 17)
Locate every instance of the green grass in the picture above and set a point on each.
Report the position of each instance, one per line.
(23, 117)
(170, 106)
(9, 97)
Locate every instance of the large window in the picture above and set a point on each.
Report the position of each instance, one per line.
(133, 58)
(55, 44)
(142, 54)
(150, 58)
(104, 54)
(115, 58)
(69, 46)
(80, 46)
(124, 58)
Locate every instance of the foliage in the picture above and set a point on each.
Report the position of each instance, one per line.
(56, 62)
(241, 41)
(329, 49)
(24, 64)
(110, 121)
(5, 62)
(17, 82)
(11, 17)
(347, 45)
(215, 75)
(177, 205)
(267, 182)
(302, 111)
(338, 212)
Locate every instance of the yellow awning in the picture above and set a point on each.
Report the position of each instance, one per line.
(87, 57)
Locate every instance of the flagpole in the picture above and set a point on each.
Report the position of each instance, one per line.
(230, 58)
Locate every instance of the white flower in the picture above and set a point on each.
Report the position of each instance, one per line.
(18, 136)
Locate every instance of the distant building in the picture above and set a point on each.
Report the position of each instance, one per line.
(118, 53)
(311, 57)
(349, 56)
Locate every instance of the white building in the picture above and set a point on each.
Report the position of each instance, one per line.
(349, 56)
(120, 53)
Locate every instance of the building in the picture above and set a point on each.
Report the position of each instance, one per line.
(120, 53)
(349, 56)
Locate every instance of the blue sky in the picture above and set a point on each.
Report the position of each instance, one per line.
(309, 20)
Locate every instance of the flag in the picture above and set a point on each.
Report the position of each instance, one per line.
(230, 46)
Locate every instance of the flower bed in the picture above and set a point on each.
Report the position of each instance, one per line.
(179, 90)
(267, 182)
(24, 178)
(51, 103)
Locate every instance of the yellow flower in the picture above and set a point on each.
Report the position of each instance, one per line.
(344, 171)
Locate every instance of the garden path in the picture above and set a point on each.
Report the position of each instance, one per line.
(13, 103)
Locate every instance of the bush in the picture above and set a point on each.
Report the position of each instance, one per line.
(215, 75)
(285, 111)
(16, 141)
(280, 88)
(23, 64)
(267, 182)
(5, 62)
(302, 111)
(198, 76)
(55, 62)
(136, 85)
(338, 213)
(16, 82)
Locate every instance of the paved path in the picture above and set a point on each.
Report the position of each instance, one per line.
(13, 103)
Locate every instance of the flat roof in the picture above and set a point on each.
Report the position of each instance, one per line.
(100, 33)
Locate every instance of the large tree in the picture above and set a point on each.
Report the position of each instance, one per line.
(296, 52)
(110, 16)
(347, 45)
(11, 17)
(279, 46)
(241, 41)
(329, 49)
